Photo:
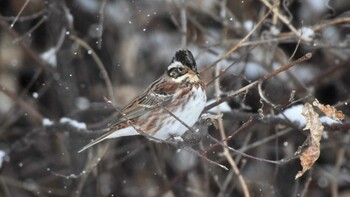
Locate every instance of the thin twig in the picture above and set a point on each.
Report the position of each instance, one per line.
(19, 13)
(239, 44)
(264, 140)
(39, 61)
(223, 13)
(306, 186)
(296, 47)
(99, 65)
(205, 158)
(263, 97)
(331, 22)
(243, 127)
(276, 162)
(284, 20)
(90, 165)
(183, 14)
(100, 23)
(30, 31)
(339, 162)
(232, 64)
(287, 66)
(23, 104)
(24, 18)
(33, 187)
(61, 39)
(223, 136)
(255, 83)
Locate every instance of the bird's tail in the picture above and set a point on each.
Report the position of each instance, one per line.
(96, 141)
(112, 133)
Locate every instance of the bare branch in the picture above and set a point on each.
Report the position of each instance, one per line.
(37, 117)
(99, 65)
(255, 83)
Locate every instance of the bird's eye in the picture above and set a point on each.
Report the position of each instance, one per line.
(173, 73)
(177, 72)
(181, 69)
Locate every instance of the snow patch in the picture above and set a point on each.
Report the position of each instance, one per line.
(49, 56)
(254, 70)
(35, 95)
(178, 138)
(88, 5)
(327, 120)
(317, 5)
(274, 30)
(294, 115)
(248, 25)
(74, 123)
(224, 107)
(47, 122)
(82, 103)
(2, 155)
(184, 160)
(307, 32)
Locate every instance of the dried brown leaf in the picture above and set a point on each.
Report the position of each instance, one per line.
(312, 152)
(312, 122)
(329, 111)
(308, 158)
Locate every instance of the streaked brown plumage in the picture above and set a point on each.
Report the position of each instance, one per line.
(179, 90)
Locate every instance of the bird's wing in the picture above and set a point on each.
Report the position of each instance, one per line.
(157, 95)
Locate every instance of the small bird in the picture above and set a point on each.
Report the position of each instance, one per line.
(178, 92)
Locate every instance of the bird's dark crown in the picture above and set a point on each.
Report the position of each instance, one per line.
(186, 58)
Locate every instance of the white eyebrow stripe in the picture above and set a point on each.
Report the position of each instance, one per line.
(174, 65)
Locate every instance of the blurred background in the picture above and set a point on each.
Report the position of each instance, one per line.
(59, 59)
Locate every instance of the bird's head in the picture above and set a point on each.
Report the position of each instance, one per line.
(183, 67)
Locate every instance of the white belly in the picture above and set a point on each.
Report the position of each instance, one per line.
(172, 127)
(189, 115)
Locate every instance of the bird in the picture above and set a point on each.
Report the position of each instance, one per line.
(167, 108)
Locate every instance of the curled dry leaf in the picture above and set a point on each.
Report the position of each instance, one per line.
(329, 111)
(312, 152)
(312, 122)
(308, 158)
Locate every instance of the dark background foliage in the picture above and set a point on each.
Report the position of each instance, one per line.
(49, 74)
